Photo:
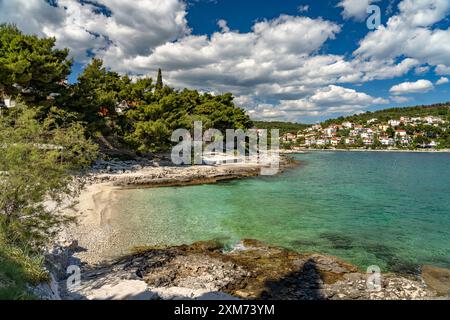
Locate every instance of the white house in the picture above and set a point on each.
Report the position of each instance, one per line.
(347, 125)
(404, 140)
(329, 131)
(373, 120)
(349, 141)
(405, 119)
(289, 137)
(8, 102)
(367, 134)
(386, 141)
(335, 141)
(121, 107)
(433, 120)
(400, 133)
(321, 142)
(394, 123)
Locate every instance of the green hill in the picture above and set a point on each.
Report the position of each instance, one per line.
(284, 127)
(441, 109)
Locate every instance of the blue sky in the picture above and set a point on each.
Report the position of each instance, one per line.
(290, 60)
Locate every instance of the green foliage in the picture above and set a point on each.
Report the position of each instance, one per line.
(18, 269)
(159, 81)
(153, 112)
(36, 162)
(30, 67)
(440, 109)
(284, 127)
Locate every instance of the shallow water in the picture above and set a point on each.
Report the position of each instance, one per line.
(385, 209)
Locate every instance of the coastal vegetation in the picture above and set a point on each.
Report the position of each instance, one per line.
(284, 127)
(51, 130)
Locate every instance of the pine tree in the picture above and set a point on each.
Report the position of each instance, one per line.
(31, 66)
(159, 81)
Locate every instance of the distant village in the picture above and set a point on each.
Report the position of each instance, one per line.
(403, 133)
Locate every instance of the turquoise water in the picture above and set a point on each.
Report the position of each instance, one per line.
(385, 209)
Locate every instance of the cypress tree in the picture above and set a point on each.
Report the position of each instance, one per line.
(159, 81)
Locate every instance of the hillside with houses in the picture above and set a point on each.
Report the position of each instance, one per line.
(400, 128)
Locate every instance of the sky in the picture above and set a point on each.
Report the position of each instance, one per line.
(291, 60)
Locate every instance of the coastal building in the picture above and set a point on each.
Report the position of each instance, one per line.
(404, 140)
(383, 127)
(394, 123)
(310, 141)
(289, 137)
(7, 102)
(330, 131)
(347, 125)
(367, 133)
(321, 142)
(350, 141)
(335, 141)
(400, 133)
(405, 120)
(386, 141)
(433, 144)
(371, 121)
(433, 120)
(368, 141)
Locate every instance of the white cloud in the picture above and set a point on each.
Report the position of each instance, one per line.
(329, 100)
(338, 96)
(442, 69)
(419, 86)
(400, 99)
(130, 28)
(410, 33)
(421, 70)
(442, 80)
(355, 9)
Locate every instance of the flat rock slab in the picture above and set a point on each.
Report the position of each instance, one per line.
(124, 290)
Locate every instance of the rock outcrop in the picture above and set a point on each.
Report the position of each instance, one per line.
(253, 270)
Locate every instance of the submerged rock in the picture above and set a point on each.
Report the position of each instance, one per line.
(437, 279)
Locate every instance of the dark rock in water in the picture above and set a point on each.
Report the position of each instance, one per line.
(338, 240)
(302, 243)
(437, 279)
(394, 263)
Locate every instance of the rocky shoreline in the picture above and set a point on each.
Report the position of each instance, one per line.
(253, 270)
(159, 173)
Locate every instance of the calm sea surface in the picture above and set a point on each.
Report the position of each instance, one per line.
(385, 209)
